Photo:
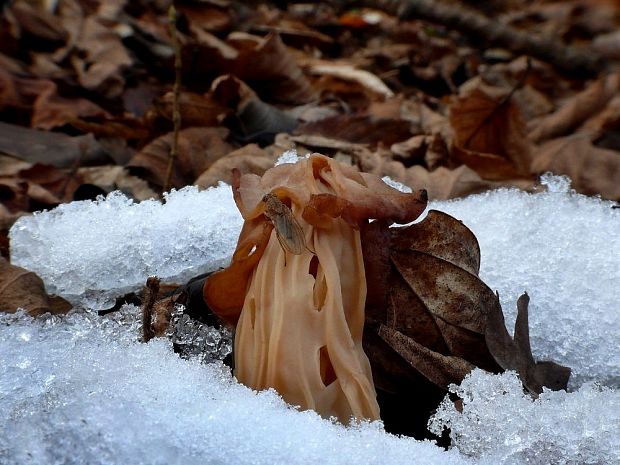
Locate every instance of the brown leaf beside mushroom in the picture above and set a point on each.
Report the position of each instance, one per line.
(430, 320)
(301, 315)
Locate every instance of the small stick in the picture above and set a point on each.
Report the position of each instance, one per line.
(176, 114)
(570, 60)
(150, 296)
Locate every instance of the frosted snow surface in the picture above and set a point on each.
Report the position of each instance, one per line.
(92, 251)
(564, 250)
(505, 426)
(81, 390)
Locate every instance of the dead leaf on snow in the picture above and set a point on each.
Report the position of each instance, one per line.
(593, 170)
(423, 285)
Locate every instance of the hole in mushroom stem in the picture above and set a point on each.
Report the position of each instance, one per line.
(314, 266)
(328, 375)
(319, 293)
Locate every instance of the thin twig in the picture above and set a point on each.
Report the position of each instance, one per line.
(570, 60)
(150, 296)
(176, 114)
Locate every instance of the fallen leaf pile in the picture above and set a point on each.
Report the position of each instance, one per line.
(412, 93)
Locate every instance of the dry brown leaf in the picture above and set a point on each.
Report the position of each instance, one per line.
(516, 354)
(608, 45)
(360, 129)
(52, 148)
(412, 150)
(39, 102)
(271, 69)
(593, 170)
(198, 149)
(14, 194)
(431, 294)
(195, 109)
(37, 22)
(101, 59)
(321, 142)
(50, 185)
(10, 166)
(206, 17)
(441, 236)
(248, 159)
(433, 310)
(348, 72)
(444, 183)
(442, 370)
(604, 125)
(576, 110)
(296, 33)
(120, 127)
(489, 135)
(50, 110)
(110, 178)
(20, 288)
(254, 120)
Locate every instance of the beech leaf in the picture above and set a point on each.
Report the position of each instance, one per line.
(489, 135)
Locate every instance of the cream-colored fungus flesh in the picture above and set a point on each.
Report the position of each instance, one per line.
(303, 335)
(300, 319)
